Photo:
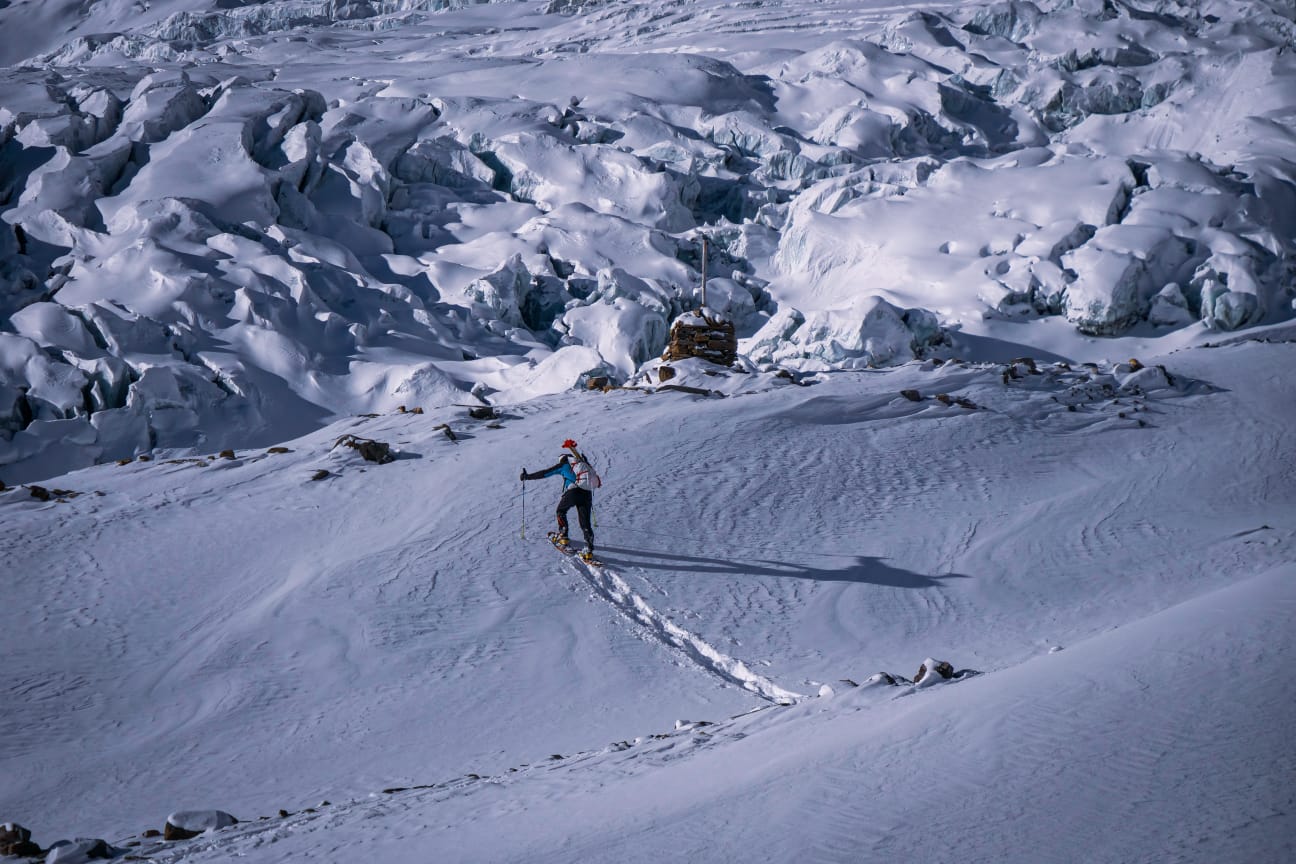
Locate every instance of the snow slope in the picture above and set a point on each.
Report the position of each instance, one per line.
(231, 634)
(1013, 284)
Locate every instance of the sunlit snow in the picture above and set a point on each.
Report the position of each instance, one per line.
(1013, 285)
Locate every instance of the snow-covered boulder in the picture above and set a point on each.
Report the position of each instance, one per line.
(445, 162)
(932, 671)
(870, 332)
(1170, 308)
(79, 851)
(184, 824)
(53, 390)
(503, 293)
(53, 326)
(625, 319)
(1229, 292)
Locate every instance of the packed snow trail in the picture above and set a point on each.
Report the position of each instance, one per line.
(611, 587)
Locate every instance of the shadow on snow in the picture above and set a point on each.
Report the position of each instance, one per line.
(860, 569)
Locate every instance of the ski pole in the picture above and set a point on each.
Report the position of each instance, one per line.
(523, 509)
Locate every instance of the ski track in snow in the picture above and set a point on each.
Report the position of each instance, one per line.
(609, 585)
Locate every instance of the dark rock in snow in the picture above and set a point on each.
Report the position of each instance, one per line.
(911, 395)
(940, 667)
(16, 840)
(277, 450)
(320, 474)
(369, 449)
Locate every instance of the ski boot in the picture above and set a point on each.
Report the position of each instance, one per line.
(587, 555)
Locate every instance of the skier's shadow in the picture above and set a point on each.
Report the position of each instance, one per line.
(860, 569)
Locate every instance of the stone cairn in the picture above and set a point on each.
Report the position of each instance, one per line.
(703, 334)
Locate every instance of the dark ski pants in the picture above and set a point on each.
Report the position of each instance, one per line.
(583, 501)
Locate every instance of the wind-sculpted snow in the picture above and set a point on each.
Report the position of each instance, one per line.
(320, 208)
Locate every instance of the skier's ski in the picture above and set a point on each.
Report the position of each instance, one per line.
(590, 559)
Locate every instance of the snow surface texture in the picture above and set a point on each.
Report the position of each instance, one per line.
(230, 634)
(228, 223)
(943, 231)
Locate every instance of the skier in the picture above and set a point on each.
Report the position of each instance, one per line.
(579, 481)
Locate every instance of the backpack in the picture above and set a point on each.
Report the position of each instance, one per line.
(586, 477)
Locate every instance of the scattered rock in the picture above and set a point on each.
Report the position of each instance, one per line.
(277, 450)
(940, 667)
(391, 790)
(16, 840)
(144, 457)
(284, 814)
(40, 493)
(320, 474)
(598, 382)
(78, 851)
(485, 412)
(125, 461)
(226, 454)
(1134, 364)
(684, 388)
(152, 832)
(190, 823)
(448, 432)
(666, 373)
(1028, 362)
(557, 756)
(371, 450)
(911, 395)
(3, 488)
(944, 399)
(966, 403)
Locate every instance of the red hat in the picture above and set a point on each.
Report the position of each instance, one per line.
(569, 443)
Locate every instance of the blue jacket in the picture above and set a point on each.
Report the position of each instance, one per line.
(563, 469)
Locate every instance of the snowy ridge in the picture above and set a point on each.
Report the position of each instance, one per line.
(244, 240)
(613, 588)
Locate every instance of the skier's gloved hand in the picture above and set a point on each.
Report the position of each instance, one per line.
(523, 475)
